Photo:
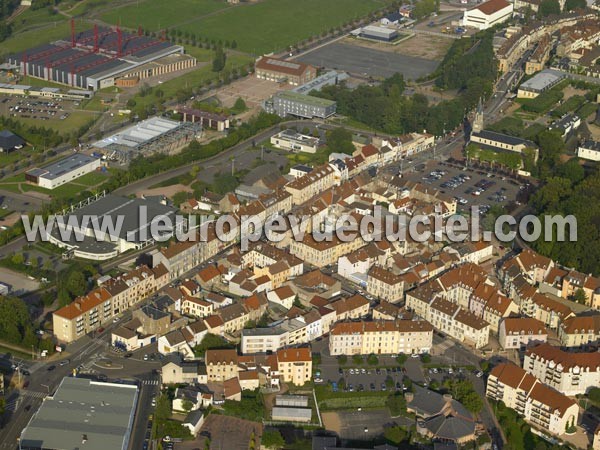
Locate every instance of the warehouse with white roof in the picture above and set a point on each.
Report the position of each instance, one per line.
(154, 135)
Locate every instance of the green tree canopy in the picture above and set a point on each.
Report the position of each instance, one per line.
(340, 140)
(549, 7)
(272, 439)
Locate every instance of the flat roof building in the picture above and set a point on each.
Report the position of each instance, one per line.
(327, 79)
(62, 171)
(378, 33)
(83, 414)
(154, 135)
(295, 142)
(541, 82)
(292, 103)
(131, 220)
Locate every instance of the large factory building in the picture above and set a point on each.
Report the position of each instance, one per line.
(98, 58)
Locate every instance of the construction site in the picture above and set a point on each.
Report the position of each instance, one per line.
(152, 136)
(101, 57)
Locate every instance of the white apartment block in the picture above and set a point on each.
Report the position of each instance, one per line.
(543, 407)
(521, 332)
(569, 373)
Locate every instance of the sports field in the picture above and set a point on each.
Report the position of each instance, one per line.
(158, 14)
(257, 28)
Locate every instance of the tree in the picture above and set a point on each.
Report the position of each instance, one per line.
(372, 360)
(219, 60)
(340, 140)
(357, 359)
(579, 296)
(239, 106)
(187, 405)
(401, 359)
(342, 360)
(76, 284)
(395, 435)
(425, 358)
(224, 183)
(18, 259)
(548, 8)
(571, 5)
(272, 439)
(396, 404)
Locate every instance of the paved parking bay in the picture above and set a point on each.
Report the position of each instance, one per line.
(367, 61)
(493, 189)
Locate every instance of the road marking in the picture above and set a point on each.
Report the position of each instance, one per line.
(34, 394)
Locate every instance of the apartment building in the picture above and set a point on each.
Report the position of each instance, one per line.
(539, 57)
(325, 252)
(307, 186)
(567, 372)
(353, 307)
(575, 281)
(578, 331)
(83, 315)
(451, 319)
(543, 407)
(532, 265)
(196, 307)
(87, 313)
(221, 364)
(380, 337)
(521, 332)
(295, 365)
(385, 285)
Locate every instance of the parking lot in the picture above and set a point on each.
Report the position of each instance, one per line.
(365, 61)
(469, 186)
(38, 109)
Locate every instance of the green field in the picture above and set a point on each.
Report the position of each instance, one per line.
(31, 18)
(92, 178)
(23, 40)
(158, 14)
(257, 28)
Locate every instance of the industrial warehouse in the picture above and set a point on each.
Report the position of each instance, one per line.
(101, 57)
(63, 171)
(151, 136)
(80, 238)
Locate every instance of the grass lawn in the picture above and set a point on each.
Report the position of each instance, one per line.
(75, 121)
(158, 14)
(12, 157)
(193, 78)
(329, 400)
(68, 190)
(32, 17)
(27, 39)
(93, 178)
(272, 25)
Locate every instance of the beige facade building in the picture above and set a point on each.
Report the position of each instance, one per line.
(387, 337)
(307, 186)
(295, 365)
(221, 365)
(577, 331)
(385, 285)
(543, 407)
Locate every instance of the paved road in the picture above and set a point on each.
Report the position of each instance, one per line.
(91, 354)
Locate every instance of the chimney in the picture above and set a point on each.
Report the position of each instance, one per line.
(447, 398)
(78, 306)
(409, 396)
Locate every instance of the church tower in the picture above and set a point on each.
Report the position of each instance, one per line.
(478, 120)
